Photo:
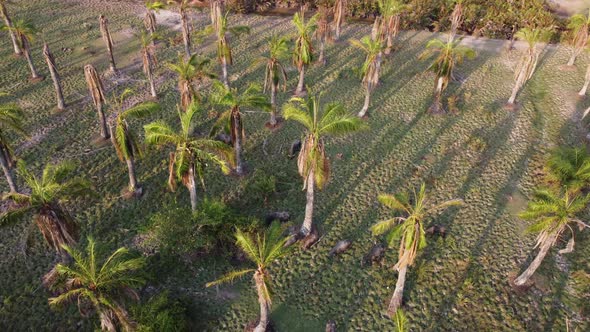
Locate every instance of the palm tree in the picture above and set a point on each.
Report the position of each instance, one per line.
(108, 40)
(124, 140)
(98, 287)
(408, 231)
(11, 119)
(528, 63)
(190, 72)
(231, 119)
(183, 7)
(448, 55)
(97, 92)
(192, 154)
(275, 75)
(47, 198)
(391, 11)
(224, 54)
(25, 33)
(262, 251)
(61, 105)
(456, 18)
(152, 7)
(370, 68)
(339, 16)
(319, 122)
(148, 58)
(553, 214)
(578, 25)
(569, 168)
(582, 92)
(323, 32)
(303, 51)
(8, 23)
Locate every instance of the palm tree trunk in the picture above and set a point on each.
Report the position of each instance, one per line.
(192, 188)
(398, 293)
(186, 35)
(150, 77)
(55, 77)
(262, 300)
(224, 72)
(132, 178)
(106, 36)
(378, 61)
(573, 57)
(436, 105)
(586, 82)
(27, 53)
(8, 173)
(363, 112)
(543, 250)
(308, 221)
(104, 132)
(237, 135)
(273, 104)
(8, 23)
(321, 58)
(299, 89)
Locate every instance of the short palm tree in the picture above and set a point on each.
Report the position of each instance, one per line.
(108, 40)
(553, 214)
(370, 69)
(448, 55)
(339, 16)
(25, 32)
(191, 72)
(569, 168)
(11, 119)
(191, 155)
(231, 120)
(52, 66)
(528, 63)
(98, 287)
(47, 198)
(97, 93)
(224, 54)
(152, 7)
(262, 251)
(579, 26)
(8, 23)
(323, 32)
(275, 75)
(148, 58)
(183, 8)
(303, 50)
(391, 11)
(125, 141)
(313, 164)
(407, 232)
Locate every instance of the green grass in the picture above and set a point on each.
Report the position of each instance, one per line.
(483, 155)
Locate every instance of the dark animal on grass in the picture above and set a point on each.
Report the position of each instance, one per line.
(437, 230)
(222, 137)
(375, 255)
(340, 247)
(281, 216)
(295, 148)
(331, 326)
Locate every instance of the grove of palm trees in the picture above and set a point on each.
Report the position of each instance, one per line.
(276, 166)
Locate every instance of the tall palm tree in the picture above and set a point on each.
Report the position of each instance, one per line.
(391, 11)
(407, 231)
(124, 140)
(569, 168)
(97, 286)
(231, 120)
(152, 7)
(448, 55)
(553, 214)
(8, 23)
(370, 69)
(97, 92)
(108, 40)
(190, 72)
(323, 32)
(191, 155)
(61, 105)
(339, 16)
(46, 201)
(224, 54)
(275, 75)
(183, 7)
(148, 58)
(11, 119)
(313, 164)
(262, 251)
(25, 34)
(529, 60)
(303, 50)
(579, 26)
